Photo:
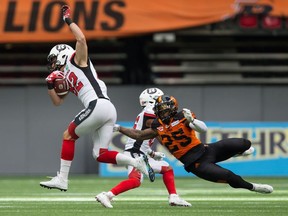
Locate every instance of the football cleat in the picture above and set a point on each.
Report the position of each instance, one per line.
(151, 173)
(175, 200)
(249, 151)
(56, 182)
(104, 199)
(262, 188)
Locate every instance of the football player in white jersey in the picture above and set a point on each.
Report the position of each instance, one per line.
(99, 114)
(135, 148)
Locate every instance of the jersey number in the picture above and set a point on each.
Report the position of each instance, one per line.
(176, 137)
(76, 86)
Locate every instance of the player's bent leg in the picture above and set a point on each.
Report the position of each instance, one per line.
(106, 156)
(134, 181)
(60, 181)
(215, 173)
(227, 148)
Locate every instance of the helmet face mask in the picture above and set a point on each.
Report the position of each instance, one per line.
(58, 56)
(149, 96)
(53, 63)
(165, 108)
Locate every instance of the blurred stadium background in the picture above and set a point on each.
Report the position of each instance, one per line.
(226, 60)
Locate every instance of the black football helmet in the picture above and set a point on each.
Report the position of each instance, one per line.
(165, 108)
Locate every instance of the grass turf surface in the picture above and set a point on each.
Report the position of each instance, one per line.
(23, 196)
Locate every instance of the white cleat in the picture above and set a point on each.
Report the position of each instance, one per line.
(262, 188)
(249, 151)
(104, 199)
(141, 165)
(56, 182)
(175, 200)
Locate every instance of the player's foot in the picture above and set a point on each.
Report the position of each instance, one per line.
(56, 182)
(262, 188)
(175, 200)
(249, 151)
(104, 199)
(151, 173)
(141, 165)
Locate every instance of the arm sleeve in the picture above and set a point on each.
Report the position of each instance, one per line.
(198, 126)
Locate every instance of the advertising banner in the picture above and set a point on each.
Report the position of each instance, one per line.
(41, 21)
(270, 139)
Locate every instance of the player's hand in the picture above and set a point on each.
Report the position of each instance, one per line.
(159, 155)
(52, 76)
(188, 115)
(66, 12)
(156, 155)
(116, 127)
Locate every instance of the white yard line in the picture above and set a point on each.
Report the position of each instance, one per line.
(137, 199)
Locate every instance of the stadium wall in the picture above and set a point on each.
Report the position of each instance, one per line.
(31, 127)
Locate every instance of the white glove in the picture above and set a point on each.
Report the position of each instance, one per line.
(159, 155)
(156, 155)
(116, 127)
(188, 115)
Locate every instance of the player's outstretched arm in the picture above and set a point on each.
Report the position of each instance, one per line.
(136, 134)
(81, 48)
(194, 123)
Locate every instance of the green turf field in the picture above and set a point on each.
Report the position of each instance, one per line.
(23, 196)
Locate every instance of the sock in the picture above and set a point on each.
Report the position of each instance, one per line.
(106, 156)
(125, 186)
(115, 157)
(122, 159)
(68, 149)
(65, 168)
(168, 179)
(67, 155)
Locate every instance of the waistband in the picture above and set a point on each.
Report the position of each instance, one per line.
(192, 155)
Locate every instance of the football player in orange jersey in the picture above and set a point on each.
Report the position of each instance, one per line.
(176, 131)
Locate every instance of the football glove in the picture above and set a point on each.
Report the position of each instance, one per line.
(116, 127)
(66, 12)
(156, 155)
(188, 115)
(51, 78)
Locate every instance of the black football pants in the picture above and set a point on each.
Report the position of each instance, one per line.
(206, 168)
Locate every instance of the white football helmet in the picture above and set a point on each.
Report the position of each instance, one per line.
(149, 96)
(58, 56)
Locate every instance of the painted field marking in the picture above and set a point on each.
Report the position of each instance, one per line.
(85, 199)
